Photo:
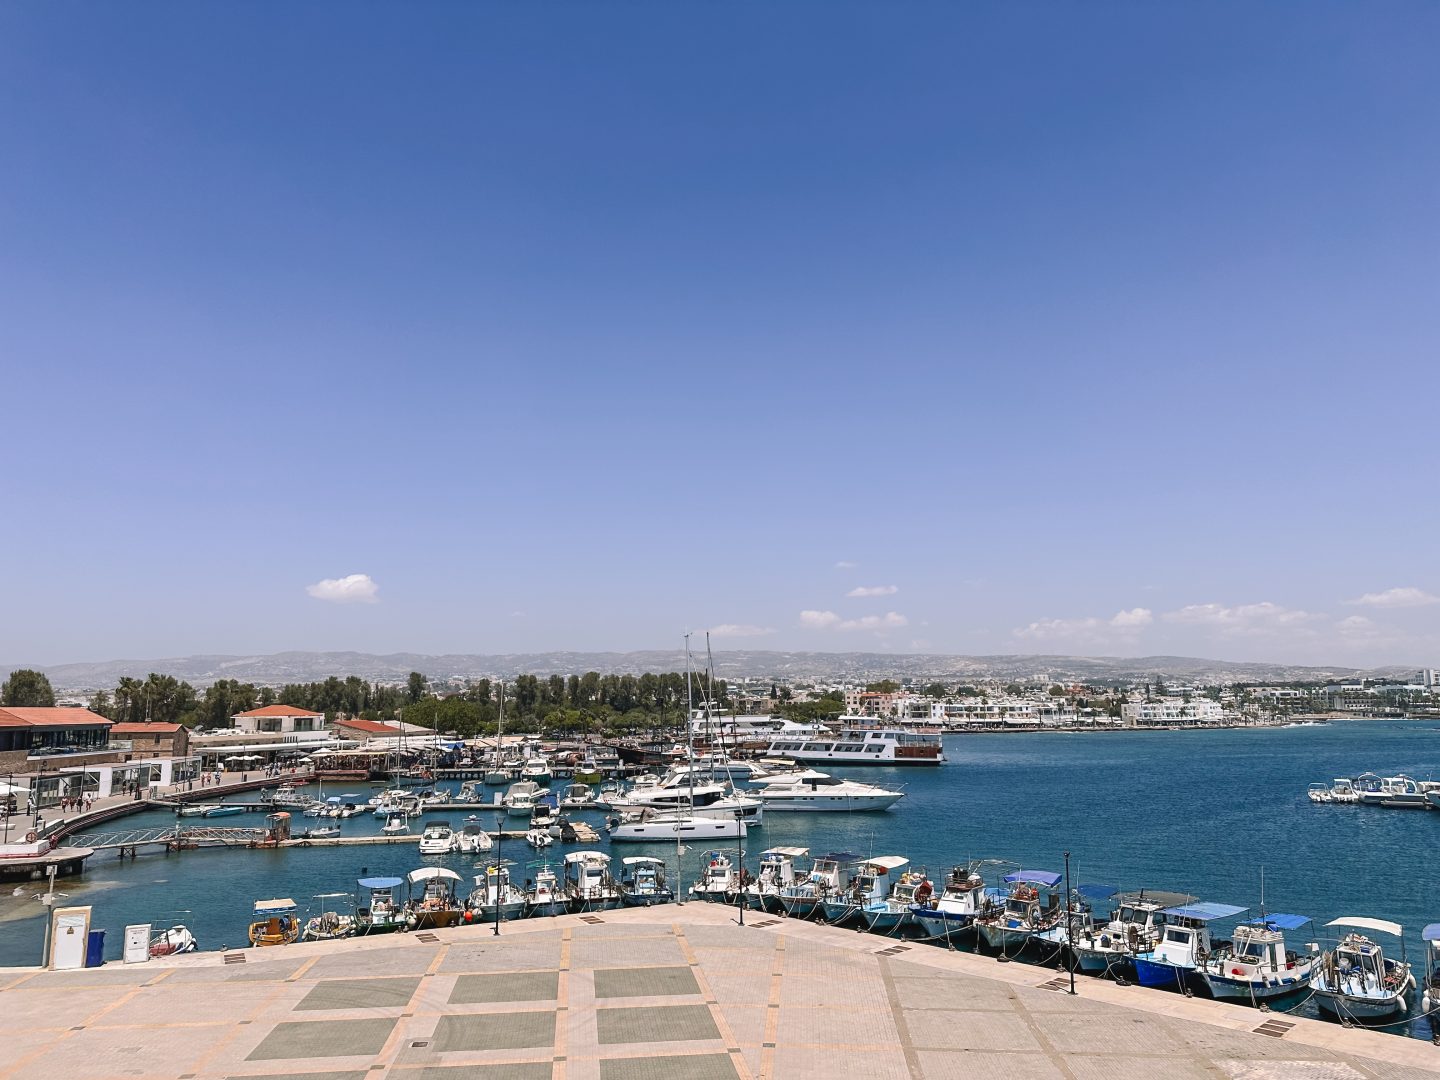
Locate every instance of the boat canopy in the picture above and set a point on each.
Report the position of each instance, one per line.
(792, 852)
(1431, 932)
(586, 856)
(274, 907)
(1369, 924)
(1279, 921)
(1096, 892)
(888, 862)
(1204, 912)
(1033, 877)
(838, 856)
(1159, 899)
(431, 873)
(643, 860)
(380, 882)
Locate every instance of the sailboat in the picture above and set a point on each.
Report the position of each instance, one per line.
(496, 772)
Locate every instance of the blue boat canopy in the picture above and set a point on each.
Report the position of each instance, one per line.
(1097, 892)
(1204, 912)
(380, 882)
(1431, 932)
(1034, 877)
(1281, 921)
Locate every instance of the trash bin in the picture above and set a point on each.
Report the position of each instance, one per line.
(95, 949)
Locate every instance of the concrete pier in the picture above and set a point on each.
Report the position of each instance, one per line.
(665, 993)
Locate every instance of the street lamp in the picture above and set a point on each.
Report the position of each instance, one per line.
(740, 868)
(499, 867)
(1070, 921)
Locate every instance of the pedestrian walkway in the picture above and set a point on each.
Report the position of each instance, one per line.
(665, 993)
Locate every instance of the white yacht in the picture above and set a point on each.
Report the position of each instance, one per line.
(812, 791)
(474, 840)
(861, 741)
(648, 825)
(437, 839)
(519, 801)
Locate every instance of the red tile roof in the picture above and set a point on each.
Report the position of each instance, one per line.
(144, 728)
(280, 710)
(368, 725)
(56, 716)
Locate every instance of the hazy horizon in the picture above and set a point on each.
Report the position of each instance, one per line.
(962, 330)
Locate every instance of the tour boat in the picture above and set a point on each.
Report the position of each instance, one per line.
(588, 885)
(437, 839)
(861, 742)
(383, 914)
(544, 896)
(1032, 907)
(810, 791)
(1255, 965)
(1356, 980)
(952, 914)
(274, 923)
(870, 882)
(642, 882)
(1171, 963)
(432, 898)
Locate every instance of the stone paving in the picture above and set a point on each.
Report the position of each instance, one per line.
(674, 993)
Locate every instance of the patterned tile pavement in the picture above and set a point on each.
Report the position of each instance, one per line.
(677, 993)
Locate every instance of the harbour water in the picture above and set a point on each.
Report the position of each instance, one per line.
(1192, 811)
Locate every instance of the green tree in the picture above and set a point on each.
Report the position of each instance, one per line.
(26, 689)
(935, 690)
(1057, 690)
(884, 686)
(415, 686)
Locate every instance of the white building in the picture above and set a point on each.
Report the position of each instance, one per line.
(1172, 711)
(278, 720)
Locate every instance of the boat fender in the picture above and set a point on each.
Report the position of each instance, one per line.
(1425, 1001)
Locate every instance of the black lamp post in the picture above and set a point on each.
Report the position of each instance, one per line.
(740, 868)
(499, 867)
(1070, 922)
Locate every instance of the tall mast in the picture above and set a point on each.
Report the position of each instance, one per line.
(689, 728)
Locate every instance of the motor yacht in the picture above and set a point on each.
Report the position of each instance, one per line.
(810, 791)
(437, 839)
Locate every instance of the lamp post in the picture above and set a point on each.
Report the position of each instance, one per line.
(499, 867)
(1070, 922)
(740, 866)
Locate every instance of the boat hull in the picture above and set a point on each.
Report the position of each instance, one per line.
(942, 926)
(1227, 989)
(1162, 976)
(1350, 1007)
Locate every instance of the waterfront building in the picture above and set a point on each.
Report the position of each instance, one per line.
(278, 720)
(27, 734)
(150, 737)
(1172, 712)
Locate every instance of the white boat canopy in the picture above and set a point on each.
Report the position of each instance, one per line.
(274, 907)
(888, 862)
(1369, 924)
(793, 852)
(643, 860)
(586, 856)
(431, 873)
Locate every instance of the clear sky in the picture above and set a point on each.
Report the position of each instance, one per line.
(1083, 328)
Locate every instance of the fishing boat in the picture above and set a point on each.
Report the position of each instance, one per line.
(539, 838)
(1137, 919)
(952, 914)
(474, 840)
(718, 878)
(329, 925)
(1356, 980)
(587, 771)
(825, 876)
(1255, 965)
(432, 902)
(1430, 998)
(869, 883)
(322, 832)
(224, 811)
(1032, 907)
(520, 800)
(892, 912)
(383, 914)
(197, 809)
(588, 884)
(642, 882)
(437, 839)
(172, 941)
(776, 872)
(396, 824)
(494, 891)
(274, 923)
(1171, 963)
(544, 897)
(809, 791)
(578, 797)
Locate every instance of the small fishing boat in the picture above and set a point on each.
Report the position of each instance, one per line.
(891, 913)
(197, 809)
(437, 839)
(952, 914)
(474, 840)
(588, 884)
(826, 876)
(324, 832)
(1136, 922)
(1356, 980)
(495, 891)
(383, 914)
(776, 872)
(1319, 793)
(642, 882)
(578, 797)
(172, 941)
(274, 923)
(432, 898)
(329, 925)
(544, 896)
(1404, 794)
(587, 771)
(224, 811)
(1255, 966)
(520, 800)
(869, 883)
(1171, 963)
(538, 838)
(1430, 998)
(1032, 907)
(718, 880)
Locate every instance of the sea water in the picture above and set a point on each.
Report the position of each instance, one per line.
(1201, 812)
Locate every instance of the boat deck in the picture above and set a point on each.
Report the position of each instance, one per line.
(674, 992)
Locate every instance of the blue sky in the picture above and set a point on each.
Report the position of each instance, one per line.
(1072, 328)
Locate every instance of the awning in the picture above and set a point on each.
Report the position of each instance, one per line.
(1159, 899)
(1280, 921)
(1034, 877)
(1204, 912)
(793, 852)
(639, 860)
(888, 862)
(274, 907)
(431, 873)
(1369, 924)
(1096, 892)
(1431, 932)
(380, 882)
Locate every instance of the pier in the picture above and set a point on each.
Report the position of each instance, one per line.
(678, 992)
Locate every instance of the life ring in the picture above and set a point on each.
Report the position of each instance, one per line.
(31, 836)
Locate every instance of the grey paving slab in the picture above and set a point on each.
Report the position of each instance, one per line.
(670, 1067)
(494, 1031)
(669, 1023)
(359, 994)
(644, 982)
(939, 992)
(324, 1038)
(837, 1026)
(504, 954)
(276, 971)
(506, 986)
(529, 1070)
(943, 1029)
(626, 952)
(1290, 1070)
(1116, 1032)
(406, 960)
(968, 1065)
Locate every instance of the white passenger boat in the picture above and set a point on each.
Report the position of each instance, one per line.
(809, 791)
(536, 770)
(1255, 965)
(588, 884)
(437, 839)
(1356, 980)
(860, 741)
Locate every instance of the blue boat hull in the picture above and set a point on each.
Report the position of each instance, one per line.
(1161, 976)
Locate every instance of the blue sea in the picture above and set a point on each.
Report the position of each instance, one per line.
(1188, 811)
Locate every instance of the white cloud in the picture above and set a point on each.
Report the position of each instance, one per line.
(844, 564)
(1261, 618)
(1129, 620)
(740, 630)
(1407, 596)
(1045, 629)
(873, 590)
(828, 620)
(353, 589)
(1357, 626)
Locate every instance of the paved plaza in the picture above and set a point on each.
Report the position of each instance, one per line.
(669, 993)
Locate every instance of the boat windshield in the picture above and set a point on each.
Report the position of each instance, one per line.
(1250, 950)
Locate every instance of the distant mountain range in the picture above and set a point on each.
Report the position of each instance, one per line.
(289, 667)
